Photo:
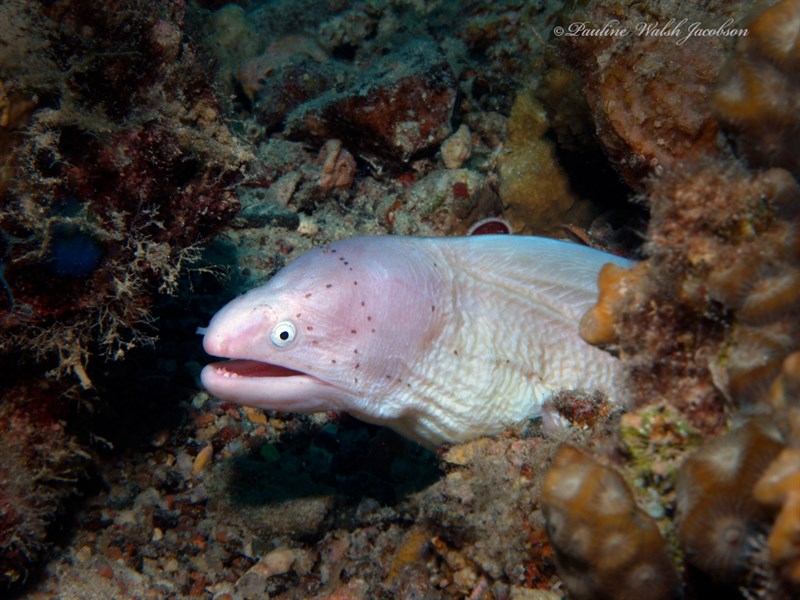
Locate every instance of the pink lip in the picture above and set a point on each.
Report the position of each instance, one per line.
(251, 368)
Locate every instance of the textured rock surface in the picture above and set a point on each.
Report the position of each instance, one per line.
(399, 107)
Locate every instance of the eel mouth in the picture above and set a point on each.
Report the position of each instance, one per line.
(269, 386)
(252, 368)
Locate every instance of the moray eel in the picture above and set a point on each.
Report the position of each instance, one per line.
(441, 339)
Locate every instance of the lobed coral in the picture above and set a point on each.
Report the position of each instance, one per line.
(715, 301)
(605, 546)
(757, 98)
(719, 517)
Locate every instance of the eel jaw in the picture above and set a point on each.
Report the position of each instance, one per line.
(269, 386)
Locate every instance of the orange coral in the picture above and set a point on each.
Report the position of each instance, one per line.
(779, 488)
(598, 325)
(606, 547)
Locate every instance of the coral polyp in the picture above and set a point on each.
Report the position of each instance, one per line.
(606, 547)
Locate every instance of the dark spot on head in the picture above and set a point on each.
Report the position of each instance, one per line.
(314, 342)
(308, 295)
(362, 303)
(388, 376)
(355, 380)
(333, 250)
(433, 308)
(333, 361)
(309, 328)
(355, 350)
(373, 330)
(347, 263)
(357, 365)
(328, 285)
(353, 331)
(455, 352)
(369, 318)
(341, 258)
(297, 315)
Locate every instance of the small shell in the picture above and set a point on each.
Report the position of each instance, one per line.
(202, 459)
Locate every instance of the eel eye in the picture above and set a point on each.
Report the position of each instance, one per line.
(283, 334)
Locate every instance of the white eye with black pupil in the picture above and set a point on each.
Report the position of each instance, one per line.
(283, 334)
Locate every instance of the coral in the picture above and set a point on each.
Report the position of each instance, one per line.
(534, 189)
(779, 488)
(757, 98)
(395, 109)
(122, 170)
(714, 303)
(230, 40)
(648, 94)
(605, 546)
(719, 518)
(598, 325)
(40, 469)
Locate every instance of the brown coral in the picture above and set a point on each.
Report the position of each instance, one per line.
(720, 519)
(605, 546)
(757, 98)
(715, 301)
(779, 488)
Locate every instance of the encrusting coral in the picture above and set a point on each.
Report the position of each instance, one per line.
(605, 546)
(534, 189)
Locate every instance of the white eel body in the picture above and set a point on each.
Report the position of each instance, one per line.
(441, 339)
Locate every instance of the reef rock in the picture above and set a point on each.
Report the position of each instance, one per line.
(397, 108)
